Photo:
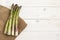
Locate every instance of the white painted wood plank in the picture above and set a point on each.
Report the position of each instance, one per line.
(42, 25)
(39, 36)
(40, 12)
(31, 2)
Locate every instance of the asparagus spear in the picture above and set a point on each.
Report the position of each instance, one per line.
(11, 27)
(14, 20)
(7, 23)
(10, 21)
(17, 15)
(6, 27)
(13, 23)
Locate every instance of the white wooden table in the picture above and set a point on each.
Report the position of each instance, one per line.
(42, 17)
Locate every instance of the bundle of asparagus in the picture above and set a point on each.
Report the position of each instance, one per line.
(11, 27)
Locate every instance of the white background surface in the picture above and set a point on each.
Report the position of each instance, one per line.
(42, 17)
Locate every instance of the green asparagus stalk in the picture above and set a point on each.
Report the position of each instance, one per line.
(6, 27)
(7, 23)
(10, 21)
(13, 23)
(16, 26)
(14, 20)
(11, 27)
(17, 15)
